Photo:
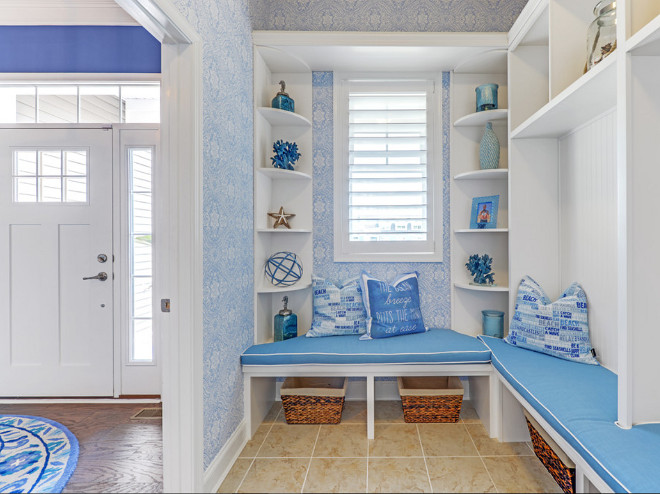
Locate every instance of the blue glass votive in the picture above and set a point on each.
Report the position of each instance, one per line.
(486, 97)
(492, 322)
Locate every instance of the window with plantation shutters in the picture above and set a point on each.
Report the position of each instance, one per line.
(385, 185)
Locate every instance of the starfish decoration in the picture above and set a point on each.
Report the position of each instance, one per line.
(281, 218)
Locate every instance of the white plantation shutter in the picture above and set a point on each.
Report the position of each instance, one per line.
(386, 170)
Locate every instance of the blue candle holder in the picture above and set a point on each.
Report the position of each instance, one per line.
(486, 97)
(492, 322)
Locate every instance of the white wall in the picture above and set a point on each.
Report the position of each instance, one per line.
(588, 226)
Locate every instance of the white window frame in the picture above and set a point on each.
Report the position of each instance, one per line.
(430, 250)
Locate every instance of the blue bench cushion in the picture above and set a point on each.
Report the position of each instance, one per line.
(580, 402)
(435, 346)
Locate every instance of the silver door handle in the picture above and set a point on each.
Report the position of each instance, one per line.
(101, 277)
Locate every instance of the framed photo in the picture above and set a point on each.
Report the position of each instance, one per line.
(484, 212)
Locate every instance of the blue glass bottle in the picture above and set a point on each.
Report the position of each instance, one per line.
(286, 323)
(282, 100)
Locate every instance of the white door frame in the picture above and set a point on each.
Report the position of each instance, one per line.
(178, 177)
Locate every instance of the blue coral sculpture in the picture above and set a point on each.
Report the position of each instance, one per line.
(480, 268)
(286, 154)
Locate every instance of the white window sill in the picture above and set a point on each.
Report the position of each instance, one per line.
(389, 257)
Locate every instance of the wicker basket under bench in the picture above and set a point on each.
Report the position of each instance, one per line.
(313, 400)
(431, 399)
(553, 458)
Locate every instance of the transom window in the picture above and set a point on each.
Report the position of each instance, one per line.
(50, 175)
(80, 103)
(384, 171)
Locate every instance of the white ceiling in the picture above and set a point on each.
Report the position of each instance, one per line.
(64, 12)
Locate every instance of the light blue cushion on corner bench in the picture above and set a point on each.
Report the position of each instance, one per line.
(392, 310)
(337, 311)
(559, 328)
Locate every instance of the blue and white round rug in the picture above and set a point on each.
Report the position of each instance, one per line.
(36, 454)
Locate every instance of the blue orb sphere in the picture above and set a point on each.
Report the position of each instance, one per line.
(283, 269)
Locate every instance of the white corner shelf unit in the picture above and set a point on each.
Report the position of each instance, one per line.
(275, 188)
(583, 178)
(470, 181)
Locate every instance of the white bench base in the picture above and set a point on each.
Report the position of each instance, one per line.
(260, 386)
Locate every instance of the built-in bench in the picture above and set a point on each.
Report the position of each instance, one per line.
(435, 352)
(576, 404)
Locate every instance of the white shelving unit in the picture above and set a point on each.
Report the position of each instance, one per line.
(583, 178)
(470, 181)
(275, 188)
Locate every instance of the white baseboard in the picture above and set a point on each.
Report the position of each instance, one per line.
(219, 468)
(93, 401)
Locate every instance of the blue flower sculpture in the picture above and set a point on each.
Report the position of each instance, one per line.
(480, 268)
(286, 154)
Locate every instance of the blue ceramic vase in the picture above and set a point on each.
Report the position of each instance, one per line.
(489, 149)
(487, 97)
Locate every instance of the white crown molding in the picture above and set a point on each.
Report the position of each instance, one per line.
(64, 12)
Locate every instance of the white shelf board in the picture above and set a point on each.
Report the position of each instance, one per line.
(283, 230)
(281, 61)
(646, 41)
(274, 289)
(277, 117)
(280, 174)
(591, 95)
(493, 174)
(488, 62)
(478, 119)
(478, 288)
(485, 230)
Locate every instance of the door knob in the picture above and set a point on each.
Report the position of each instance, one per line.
(101, 277)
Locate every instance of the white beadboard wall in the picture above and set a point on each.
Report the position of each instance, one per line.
(588, 228)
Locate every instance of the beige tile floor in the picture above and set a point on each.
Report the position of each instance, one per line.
(402, 457)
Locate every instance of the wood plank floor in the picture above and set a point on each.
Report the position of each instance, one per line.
(117, 454)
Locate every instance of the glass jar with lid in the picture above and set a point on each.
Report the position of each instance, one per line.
(601, 36)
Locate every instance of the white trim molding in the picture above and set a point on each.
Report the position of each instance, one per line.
(64, 12)
(221, 465)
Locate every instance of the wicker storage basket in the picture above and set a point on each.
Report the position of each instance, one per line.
(553, 458)
(313, 400)
(431, 399)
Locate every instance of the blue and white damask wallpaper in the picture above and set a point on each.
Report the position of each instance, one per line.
(225, 27)
(434, 281)
(385, 15)
(227, 135)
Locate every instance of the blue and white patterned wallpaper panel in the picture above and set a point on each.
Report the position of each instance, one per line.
(227, 215)
(385, 15)
(434, 281)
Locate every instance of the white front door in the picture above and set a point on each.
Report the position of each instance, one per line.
(56, 328)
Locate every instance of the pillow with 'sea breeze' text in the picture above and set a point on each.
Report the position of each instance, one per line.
(559, 328)
(337, 310)
(392, 310)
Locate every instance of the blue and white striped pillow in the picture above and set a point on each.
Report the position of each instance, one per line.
(559, 328)
(337, 311)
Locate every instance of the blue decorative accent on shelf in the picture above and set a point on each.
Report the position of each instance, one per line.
(486, 97)
(492, 323)
(286, 154)
(283, 269)
(282, 100)
(489, 149)
(480, 268)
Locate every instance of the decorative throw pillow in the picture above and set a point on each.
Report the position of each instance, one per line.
(392, 310)
(337, 311)
(559, 328)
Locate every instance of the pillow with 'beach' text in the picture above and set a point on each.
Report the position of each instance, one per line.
(559, 328)
(338, 310)
(392, 309)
